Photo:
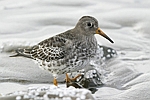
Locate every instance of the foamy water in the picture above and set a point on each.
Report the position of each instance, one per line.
(25, 23)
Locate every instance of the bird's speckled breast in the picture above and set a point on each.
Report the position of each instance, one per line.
(79, 56)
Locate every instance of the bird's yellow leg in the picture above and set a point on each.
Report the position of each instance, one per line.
(67, 78)
(55, 82)
(72, 79)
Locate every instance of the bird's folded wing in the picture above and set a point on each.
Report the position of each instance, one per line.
(53, 48)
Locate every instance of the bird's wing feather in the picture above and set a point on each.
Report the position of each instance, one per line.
(53, 48)
(22, 52)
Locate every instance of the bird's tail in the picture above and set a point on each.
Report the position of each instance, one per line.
(22, 52)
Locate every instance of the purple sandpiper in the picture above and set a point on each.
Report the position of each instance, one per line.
(69, 51)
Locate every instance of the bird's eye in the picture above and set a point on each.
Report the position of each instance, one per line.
(90, 24)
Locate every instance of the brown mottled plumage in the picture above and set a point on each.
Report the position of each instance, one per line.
(69, 51)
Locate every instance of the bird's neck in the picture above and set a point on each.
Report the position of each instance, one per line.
(90, 42)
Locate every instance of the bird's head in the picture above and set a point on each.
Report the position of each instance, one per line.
(88, 25)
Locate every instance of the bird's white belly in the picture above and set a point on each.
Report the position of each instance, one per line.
(54, 68)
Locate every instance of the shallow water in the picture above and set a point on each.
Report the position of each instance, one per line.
(25, 23)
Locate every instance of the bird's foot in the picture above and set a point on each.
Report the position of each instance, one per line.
(68, 79)
(73, 81)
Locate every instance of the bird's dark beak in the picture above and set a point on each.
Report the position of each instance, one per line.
(100, 32)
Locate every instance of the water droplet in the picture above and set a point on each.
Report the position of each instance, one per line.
(108, 55)
(18, 98)
(108, 50)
